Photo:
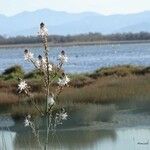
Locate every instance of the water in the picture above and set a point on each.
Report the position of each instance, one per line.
(125, 129)
(124, 139)
(83, 58)
(89, 127)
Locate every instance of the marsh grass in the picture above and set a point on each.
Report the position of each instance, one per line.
(120, 71)
(107, 85)
(110, 89)
(80, 80)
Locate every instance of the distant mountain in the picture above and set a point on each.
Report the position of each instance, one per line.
(58, 22)
(145, 26)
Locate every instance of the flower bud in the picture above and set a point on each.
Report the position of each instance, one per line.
(40, 57)
(42, 25)
(26, 51)
(63, 52)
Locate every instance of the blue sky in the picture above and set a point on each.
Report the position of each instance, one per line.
(11, 7)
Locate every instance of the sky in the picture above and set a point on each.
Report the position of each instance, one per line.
(107, 7)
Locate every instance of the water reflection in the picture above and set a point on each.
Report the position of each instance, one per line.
(79, 116)
(7, 140)
(67, 139)
(89, 127)
(118, 139)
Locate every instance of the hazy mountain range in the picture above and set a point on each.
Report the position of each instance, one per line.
(62, 23)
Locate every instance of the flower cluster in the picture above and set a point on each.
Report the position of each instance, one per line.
(41, 63)
(51, 73)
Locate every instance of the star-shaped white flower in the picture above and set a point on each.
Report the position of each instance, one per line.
(64, 81)
(28, 56)
(63, 58)
(22, 86)
(63, 115)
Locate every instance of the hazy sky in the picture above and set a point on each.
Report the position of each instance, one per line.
(11, 7)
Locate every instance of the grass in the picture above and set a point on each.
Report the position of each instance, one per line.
(110, 90)
(120, 71)
(103, 86)
(80, 80)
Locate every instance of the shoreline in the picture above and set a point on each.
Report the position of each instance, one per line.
(67, 44)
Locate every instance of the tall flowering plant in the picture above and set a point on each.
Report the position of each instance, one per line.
(50, 73)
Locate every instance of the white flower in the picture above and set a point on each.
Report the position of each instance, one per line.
(38, 63)
(51, 101)
(64, 81)
(41, 64)
(43, 61)
(29, 116)
(50, 67)
(63, 116)
(28, 56)
(22, 86)
(63, 58)
(43, 31)
(26, 122)
(44, 65)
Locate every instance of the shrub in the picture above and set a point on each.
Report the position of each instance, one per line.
(13, 72)
(118, 71)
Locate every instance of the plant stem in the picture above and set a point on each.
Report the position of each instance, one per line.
(47, 91)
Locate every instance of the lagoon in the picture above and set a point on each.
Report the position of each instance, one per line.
(84, 58)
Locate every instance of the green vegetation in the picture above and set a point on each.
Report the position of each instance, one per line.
(120, 71)
(13, 73)
(103, 86)
(80, 38)
(35, 74)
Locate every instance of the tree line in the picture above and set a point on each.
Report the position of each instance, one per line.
(90, 37)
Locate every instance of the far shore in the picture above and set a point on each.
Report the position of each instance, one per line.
(66, 44)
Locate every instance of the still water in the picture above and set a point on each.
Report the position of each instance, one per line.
(118, 129)
(120, 139)
(83, 58)
(89, 127)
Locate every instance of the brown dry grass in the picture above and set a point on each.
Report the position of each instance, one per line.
(8, 93)
(102, 90)
(110, 89)
(107, 85)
